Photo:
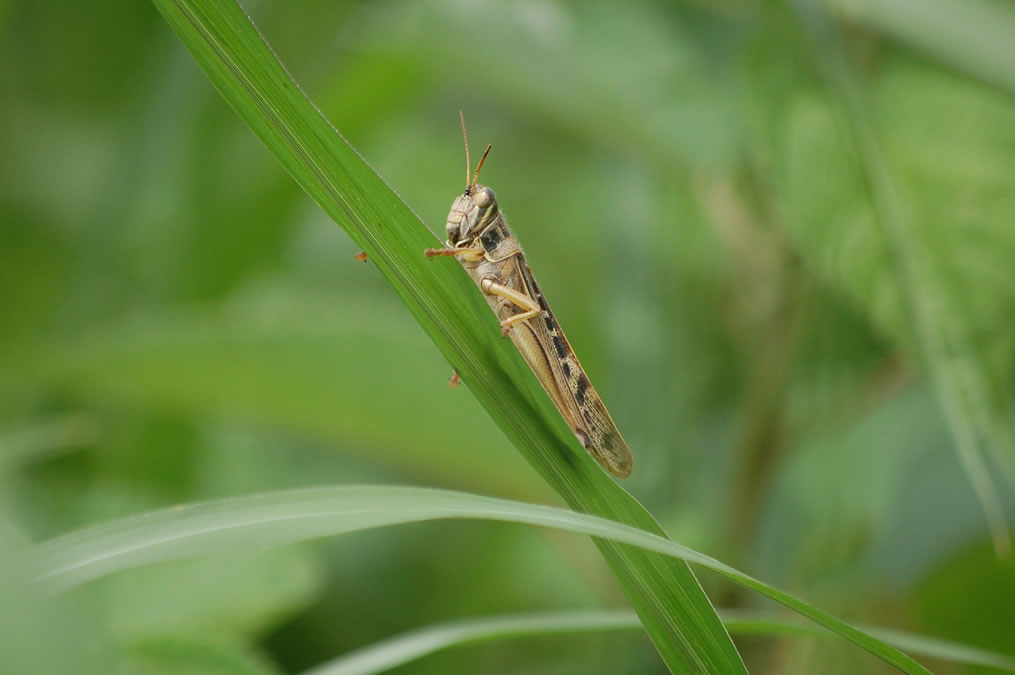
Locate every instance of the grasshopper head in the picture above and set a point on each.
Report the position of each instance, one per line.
(470, 214)
(474, 208)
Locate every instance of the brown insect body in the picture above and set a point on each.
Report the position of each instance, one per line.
(479, 237)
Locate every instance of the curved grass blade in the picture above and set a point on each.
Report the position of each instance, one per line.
(287, 517)
(415, 644)
(675, 611)
(407, 647)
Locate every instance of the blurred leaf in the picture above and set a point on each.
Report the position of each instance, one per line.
(415, 644)
(676, 612)
(836, 498)
(288, 517)
(41, 439)
(319, 365)
(191, 656)
(627, 76)
(968, 609)
(418, 643)
(879, 225)
(746, 622)
(973, 35)
(32, 618)
(221, 598)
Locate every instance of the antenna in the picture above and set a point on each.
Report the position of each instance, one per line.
(480, 165)
(468, 162)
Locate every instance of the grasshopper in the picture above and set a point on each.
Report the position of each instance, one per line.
(479, 238)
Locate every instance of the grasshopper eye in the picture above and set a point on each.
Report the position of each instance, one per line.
(484, 197)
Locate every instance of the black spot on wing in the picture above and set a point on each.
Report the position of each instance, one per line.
(542, 303)
(558, 343)
(582, 387)
(550, 325)
(491, 238)
(567, 369)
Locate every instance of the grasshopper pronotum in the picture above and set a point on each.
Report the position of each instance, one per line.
(479, 238)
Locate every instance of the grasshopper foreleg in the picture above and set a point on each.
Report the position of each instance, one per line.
(466, 254)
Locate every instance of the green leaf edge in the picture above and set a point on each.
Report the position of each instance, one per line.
(420, 642)
(286, 517)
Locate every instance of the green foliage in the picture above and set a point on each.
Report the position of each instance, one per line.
(274, 519)
(780, 246)
(674, 609)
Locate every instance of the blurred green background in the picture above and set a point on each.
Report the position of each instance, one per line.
(784, 255)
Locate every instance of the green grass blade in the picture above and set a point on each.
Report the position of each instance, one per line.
(401, 649)
(286, 517)
(675, 611)
(409, 646)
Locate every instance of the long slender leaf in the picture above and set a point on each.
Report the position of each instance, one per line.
(415, 644)
(286, 517)
(676, 613)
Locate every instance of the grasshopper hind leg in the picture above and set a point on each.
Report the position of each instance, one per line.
(520, 300)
